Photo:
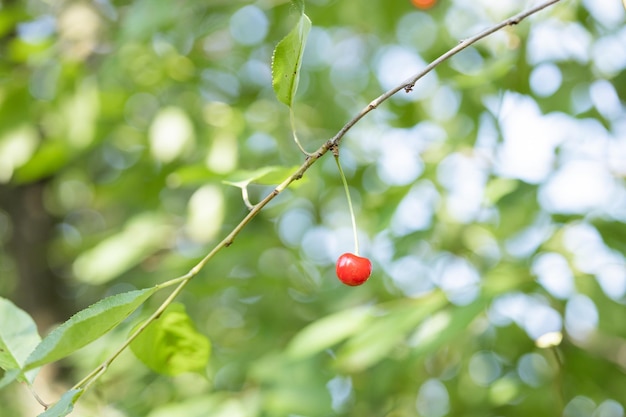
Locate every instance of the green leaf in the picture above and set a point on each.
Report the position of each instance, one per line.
(197, 174)
(142, 236)
(65, 405)
(444, 326)
(17, 146)
(171, 345)
(329, 331)
(517, 205)
(86, 326)
(505, 277)
(291, 387)
(220, 403)
(12, 375)
(613, 234)
(18, 338)
(498, 188)
(287, 59)
(374, 343)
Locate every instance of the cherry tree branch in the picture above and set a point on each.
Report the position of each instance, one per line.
(334, 141)
(407, 85)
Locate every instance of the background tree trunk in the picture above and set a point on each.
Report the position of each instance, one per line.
(38, 291)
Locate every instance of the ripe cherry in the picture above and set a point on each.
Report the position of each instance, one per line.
(353, 270)
(423, 4)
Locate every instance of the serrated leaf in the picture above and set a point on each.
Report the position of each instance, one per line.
(329, 331)
(18, 338)
(64, 406)
(10, 376)
(86, 326)
(287, 59)
(171, 345)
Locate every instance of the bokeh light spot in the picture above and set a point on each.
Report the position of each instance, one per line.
(249, 25)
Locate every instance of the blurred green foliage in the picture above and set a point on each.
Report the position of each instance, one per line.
(490, 199)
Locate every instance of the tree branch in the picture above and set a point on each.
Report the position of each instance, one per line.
(407, 85)
(410, 83)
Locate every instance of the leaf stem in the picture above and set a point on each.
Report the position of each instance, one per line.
(347, 190)
(292, 119)
(37, 397)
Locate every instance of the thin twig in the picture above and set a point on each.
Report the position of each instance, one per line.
(310, 160)
(409, 83)
(88, 380)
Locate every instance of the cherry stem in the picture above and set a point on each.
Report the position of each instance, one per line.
(347, 190)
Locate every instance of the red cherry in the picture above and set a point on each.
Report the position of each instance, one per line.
(423, 4)
(353, 270)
